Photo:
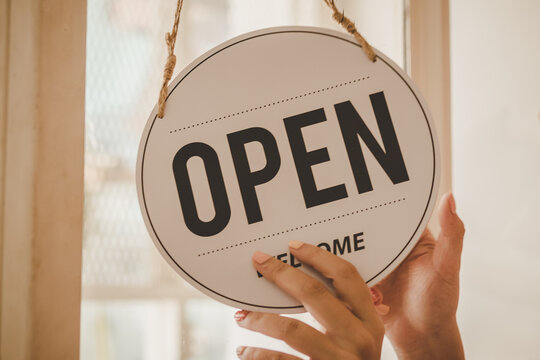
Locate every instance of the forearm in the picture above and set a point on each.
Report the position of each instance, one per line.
(442, 344)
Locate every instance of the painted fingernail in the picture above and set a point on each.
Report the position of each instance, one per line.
(240, 315)
(260, 257)
(376, 296)
(295, 244)
(240, 350)
(452, 204)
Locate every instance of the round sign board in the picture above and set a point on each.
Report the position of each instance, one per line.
(280, 134)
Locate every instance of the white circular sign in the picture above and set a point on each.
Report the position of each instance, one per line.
(280, 134)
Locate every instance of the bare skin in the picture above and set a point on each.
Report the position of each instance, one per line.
(354, 330)
(423, 292)
(416, 303)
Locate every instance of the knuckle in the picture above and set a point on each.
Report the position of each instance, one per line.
(290, 328)
(346, 270)
(276, 356)
(461, 228)
(370, 343)
(255, 354)
(253, 317)
(371, 348)
(359, 338)
(313, 288)
(264, 354)
(248, 354)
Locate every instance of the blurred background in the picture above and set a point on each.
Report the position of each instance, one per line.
(135, 307)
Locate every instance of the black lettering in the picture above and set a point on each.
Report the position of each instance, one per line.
(294, 263)
(325, 246)
(282, 257)
(357, 241)
(247, 180)
(304, 160)
(217, 189)
(340, 248)
(390, 159)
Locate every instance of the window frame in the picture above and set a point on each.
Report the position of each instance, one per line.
(42, 71)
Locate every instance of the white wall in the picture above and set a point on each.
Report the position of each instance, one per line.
(495, 47)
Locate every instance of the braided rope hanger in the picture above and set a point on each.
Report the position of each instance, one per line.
(351, 29)
(170, 39)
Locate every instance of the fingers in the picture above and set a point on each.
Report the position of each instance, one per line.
(447, 253)
(325, 307)
(349, 285)
(253, 353)
(352, 324)
(297, 334)
(377, 299)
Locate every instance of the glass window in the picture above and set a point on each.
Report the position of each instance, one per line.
(496, 162)
(134, 306)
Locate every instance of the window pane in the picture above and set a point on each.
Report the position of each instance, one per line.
(134, 305)
(496, 154)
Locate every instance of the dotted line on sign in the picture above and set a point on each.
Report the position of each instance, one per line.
(301, 227)
(269, 104)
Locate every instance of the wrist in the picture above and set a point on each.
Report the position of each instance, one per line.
(441, 343)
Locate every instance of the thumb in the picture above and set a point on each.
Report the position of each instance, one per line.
(447, 252)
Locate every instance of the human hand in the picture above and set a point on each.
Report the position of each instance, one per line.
(422, 293)
(353, 328)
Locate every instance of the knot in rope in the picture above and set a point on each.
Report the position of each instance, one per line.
(170, 39)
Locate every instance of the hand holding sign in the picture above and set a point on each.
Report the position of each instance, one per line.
(423, 292)
(353, 327)
(417, 305)
(286, 133)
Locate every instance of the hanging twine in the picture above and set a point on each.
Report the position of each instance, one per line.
(351, 28)
(170, 39)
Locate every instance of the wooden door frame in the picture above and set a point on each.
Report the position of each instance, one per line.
(42, 73)
(429, 66)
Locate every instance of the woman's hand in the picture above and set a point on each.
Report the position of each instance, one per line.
(422, 293)
(353, 328)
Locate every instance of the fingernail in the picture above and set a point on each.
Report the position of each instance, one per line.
(375, 296)
(382, 309)
(295, 244)
(240, 315)
(452, 204)
(240, 350)
(260, 257)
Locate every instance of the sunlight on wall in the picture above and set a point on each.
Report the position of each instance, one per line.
(496, 158)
